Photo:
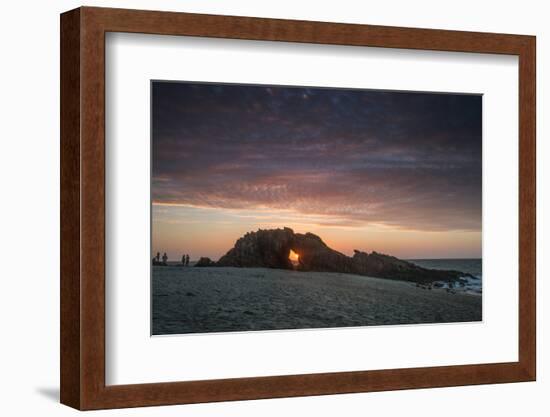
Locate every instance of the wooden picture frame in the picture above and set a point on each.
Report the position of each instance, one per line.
(83, 208)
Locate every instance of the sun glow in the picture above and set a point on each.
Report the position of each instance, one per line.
(293, 256)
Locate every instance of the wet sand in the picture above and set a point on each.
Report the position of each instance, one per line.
(202, 300)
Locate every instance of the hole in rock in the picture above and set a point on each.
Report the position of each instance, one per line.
(293, 257)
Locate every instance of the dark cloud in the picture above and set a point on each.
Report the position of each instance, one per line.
(405, 159)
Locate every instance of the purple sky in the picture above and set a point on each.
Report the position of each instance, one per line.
(333, 158)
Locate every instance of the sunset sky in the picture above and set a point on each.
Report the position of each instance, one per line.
(398, 173)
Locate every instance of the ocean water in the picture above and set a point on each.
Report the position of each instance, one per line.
(470, 266)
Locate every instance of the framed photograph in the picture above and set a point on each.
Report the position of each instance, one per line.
(260, 208)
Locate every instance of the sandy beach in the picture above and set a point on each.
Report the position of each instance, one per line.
(225, 299)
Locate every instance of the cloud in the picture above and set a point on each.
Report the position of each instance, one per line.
(354, 157)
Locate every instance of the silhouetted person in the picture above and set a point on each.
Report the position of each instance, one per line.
(157, 258)
(187, 260)
(183, 259)
(164, 258)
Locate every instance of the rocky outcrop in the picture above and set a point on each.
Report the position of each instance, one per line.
(264, 248)
(315, 255)
(205, 261)
(385, 266)
(271, 248)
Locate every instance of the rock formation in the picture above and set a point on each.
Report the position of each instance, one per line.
(264, 248)
(270, 249)
(205, 261)
(385, 266)
(315, 255)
